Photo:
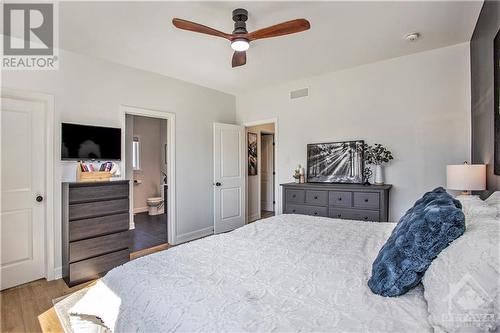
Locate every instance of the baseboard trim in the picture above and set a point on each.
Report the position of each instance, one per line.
(254, 217)
(140, 210)
(189, 236)
(57, 273)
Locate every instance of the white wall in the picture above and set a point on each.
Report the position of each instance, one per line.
(90, 91)
(418, 106)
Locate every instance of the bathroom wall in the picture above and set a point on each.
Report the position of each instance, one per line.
(147, 180)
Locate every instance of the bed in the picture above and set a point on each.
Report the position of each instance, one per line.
(285, 273)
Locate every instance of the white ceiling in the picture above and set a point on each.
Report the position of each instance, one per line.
(342, 35)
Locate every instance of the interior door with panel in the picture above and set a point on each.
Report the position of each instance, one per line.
(22, 213)
(267, 172)
(229, 177)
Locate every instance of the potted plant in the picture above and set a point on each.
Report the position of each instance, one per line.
(297, 173)
(377, 155)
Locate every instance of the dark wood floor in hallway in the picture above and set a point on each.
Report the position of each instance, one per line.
(150, 230)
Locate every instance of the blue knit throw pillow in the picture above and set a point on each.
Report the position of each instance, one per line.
(423, 232)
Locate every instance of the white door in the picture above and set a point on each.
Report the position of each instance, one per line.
(229, 177)
(267, 174)
(22, 212)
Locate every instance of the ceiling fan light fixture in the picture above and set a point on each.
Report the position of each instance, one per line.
(240, 44)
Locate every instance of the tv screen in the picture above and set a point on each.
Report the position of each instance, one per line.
(335, 162)
(82, 142)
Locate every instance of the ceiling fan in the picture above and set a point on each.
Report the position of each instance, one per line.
(240, 38)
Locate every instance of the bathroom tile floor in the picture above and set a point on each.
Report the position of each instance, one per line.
(149, 231)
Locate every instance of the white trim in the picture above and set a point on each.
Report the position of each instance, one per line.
(48, 100)
(170, 117)
(58, 273)
(277, 187)
(253, 217)
(189, 236)
(140, 210)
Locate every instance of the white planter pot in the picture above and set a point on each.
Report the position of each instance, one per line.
(379, 175)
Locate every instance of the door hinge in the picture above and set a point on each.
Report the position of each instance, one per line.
(274, 173)
(274, 202)
(274, 144)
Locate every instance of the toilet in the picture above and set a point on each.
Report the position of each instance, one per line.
(155, 206)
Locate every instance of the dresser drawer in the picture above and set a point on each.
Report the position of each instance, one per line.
(319, 198)
(307, 210)
(295, 196)
(97, 226)
(92, 247)
(368, 200)
(340, 199)
(350, 214)
(89, 269)
(96, 193)
(99, 208)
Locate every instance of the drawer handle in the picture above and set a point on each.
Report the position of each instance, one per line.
(340, 199)
(293, 210)
(316, 198)
(315, 213)
(293, 196)
(366, 217)
(339, 215)
(366, 200)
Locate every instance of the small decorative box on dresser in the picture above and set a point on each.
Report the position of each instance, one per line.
(95, 223)
(343, 201)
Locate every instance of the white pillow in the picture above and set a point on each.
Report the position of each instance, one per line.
(494, 201)
(461, 285)
(474, 208)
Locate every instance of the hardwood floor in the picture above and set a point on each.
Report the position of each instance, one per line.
(29, 308)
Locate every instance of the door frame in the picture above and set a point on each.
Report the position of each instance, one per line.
(49, 237)
(277, 196)
(171, 193)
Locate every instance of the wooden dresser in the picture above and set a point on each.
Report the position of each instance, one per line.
(344, 201)
(95, 223)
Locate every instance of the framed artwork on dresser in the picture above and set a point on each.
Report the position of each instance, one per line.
(496, 75)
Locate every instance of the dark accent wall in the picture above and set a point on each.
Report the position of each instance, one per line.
(482, 83)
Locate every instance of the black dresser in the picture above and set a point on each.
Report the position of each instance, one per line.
(343, 201)
(95, 223)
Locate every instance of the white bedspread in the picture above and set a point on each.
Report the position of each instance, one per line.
(286, 273)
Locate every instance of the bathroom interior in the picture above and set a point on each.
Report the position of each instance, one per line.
(146, 158)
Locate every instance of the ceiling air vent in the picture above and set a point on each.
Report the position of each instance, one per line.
(299, 93)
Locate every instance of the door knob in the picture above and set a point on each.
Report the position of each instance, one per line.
(218, 184)
(39, 198)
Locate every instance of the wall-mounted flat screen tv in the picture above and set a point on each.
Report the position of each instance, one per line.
(335, 162)
(83, 142)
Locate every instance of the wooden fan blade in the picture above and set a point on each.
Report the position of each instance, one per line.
(281, 29)
(202, 29)
(239, 58)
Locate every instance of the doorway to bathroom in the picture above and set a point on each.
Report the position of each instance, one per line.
(147, 159)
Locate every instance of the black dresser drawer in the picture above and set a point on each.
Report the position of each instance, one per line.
(340, 199)
(98, 208)
(295, 196)
(351, 214)
(367, 200)
(87, 270)
(319, 198)
(96, 193)
(98, 226)
(307, 210)
(92, 247)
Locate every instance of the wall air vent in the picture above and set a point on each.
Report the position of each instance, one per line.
(299, 93)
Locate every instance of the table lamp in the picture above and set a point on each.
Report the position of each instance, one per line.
(466, 177)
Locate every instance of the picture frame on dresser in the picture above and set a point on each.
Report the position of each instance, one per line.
(335, 162)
